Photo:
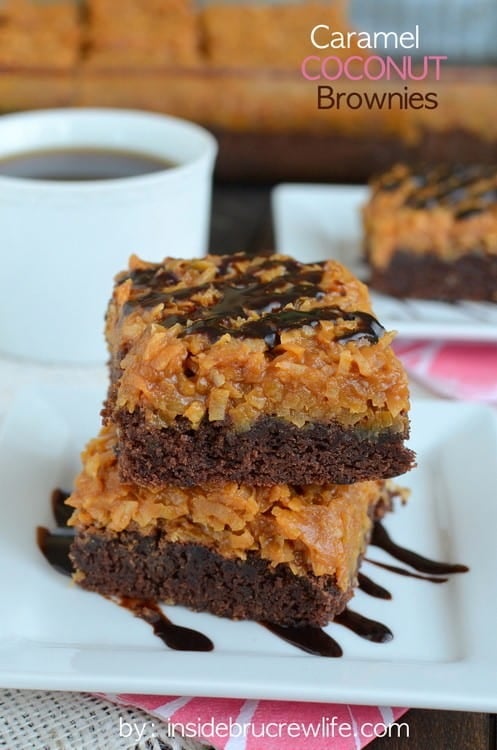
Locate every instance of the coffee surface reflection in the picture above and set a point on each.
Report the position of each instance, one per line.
(81, 164)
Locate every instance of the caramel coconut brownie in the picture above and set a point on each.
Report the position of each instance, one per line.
(142, 33)
(40, 36)
(256, 370)
(433, 234)
(284, 554)
(268, 36)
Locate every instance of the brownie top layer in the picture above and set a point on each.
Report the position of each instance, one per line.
(315, 529)
(245, 298)
(446, 210)
(233, 338)
(462, 188)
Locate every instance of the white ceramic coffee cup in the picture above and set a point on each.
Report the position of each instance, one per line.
(63, 242)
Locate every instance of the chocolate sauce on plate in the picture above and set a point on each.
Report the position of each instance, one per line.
(308, 638)
(372, 588)
(406, 573)
(55, 549)
(380, 538)
(362, 626)
(174, 636)
(61, 512)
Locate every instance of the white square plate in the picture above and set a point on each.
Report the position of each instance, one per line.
(316, 222)
(54, 635)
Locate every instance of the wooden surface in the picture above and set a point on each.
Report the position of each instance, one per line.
(242, 221)
(443, 730)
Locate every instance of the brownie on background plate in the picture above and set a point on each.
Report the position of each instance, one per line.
(432, 233)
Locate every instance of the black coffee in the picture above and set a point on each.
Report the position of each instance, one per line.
(75, 164)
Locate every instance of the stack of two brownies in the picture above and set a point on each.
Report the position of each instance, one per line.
(255, 410)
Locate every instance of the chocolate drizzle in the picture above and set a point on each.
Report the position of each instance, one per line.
(245, 306)
(151, 277)
(61, 512)
(371, 588)
(55, 549)
(55, 545)
(406, 573)
(466, 189)
(362, 626)
(380, 538)
(174, 636)
(308, 638)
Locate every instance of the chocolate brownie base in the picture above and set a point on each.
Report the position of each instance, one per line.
(151, 567)
(470, 277)
(270, 452)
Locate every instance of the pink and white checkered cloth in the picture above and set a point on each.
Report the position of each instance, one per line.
(452, 369)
